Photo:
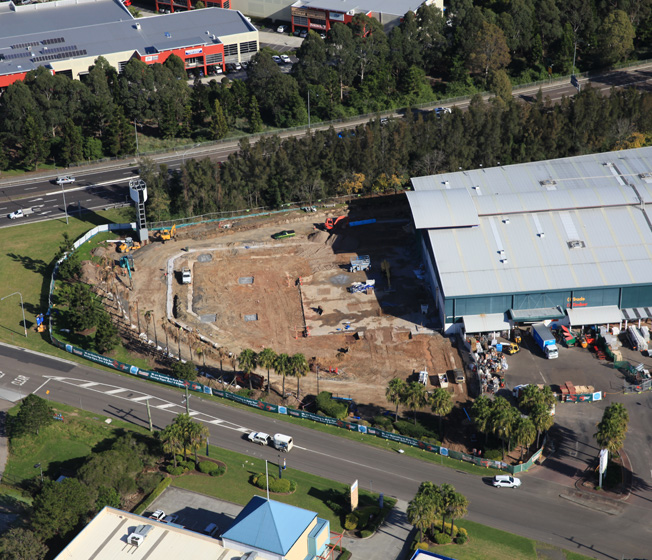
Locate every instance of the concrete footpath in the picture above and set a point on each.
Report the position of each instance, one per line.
(391, 541)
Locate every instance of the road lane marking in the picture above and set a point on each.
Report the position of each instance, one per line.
(20, 380)
(114, 391)
(39, 387)
(89, 384)
(51, 200)
(35, 199)
(30, 188)
(218, 421)
(143, 398)
(167, 405)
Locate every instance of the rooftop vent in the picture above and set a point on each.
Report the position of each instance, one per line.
(541, 234)
(504, 261)
(576, 244)
(647, 177)
(137, 26)
(549, 184)
(506, 221)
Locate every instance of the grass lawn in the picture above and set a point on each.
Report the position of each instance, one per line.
(486, 543)
(61, 445)
(26, 261)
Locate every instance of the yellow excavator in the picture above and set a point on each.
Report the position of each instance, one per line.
(128, 245)
(164, 235)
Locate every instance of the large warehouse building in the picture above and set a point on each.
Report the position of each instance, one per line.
(67, 36)
(563, 239)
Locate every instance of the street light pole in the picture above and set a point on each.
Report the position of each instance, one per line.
(38, 466)
(136, 132)
(308, 109)
(65, 207)
(21, 306)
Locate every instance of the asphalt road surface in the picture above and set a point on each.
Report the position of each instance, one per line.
(100, 186)
(535, 510)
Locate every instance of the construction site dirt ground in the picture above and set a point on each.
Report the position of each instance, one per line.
(251, 291)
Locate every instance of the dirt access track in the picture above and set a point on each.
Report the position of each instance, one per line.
(251, 291)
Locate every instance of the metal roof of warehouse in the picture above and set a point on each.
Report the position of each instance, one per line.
(99, 27)
(550, 225)
(594, 315)
(359, 6)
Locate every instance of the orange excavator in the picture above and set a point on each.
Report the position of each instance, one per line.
(333, 223)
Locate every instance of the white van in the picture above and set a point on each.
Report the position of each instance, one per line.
(283, 443)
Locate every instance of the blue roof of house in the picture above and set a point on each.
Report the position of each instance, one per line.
(269, 525)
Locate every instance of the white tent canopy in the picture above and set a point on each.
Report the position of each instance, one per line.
(581, 316)
(486, 323)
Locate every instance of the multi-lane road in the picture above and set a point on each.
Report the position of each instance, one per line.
(105, 185)
(535, 510)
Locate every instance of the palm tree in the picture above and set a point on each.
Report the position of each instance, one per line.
(282, 367)
(529, 397)
(266, 359)
(198, 434)
(446, 492)
(247, 361)
(415, 397)
(423, 509)
(524, 433)
(394, 393)
(542, 419)
(481, 411)
(501, 420)
(300, 369)
(456, 507)
(441, 404)
(183, 423)
(172, 440)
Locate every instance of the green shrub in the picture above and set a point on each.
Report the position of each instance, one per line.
(155, 494)
(351, 522)
(188, 465)
(179, 458)
(461, 532)
(219, 472)
(276, 485)
(336, 508)
(383, 422)
(443, 538)
(365, 533)
(175, 471)
(207, 467)
(409, 429)
(148, 481)
(461, 539)
(331, 408)
(493, 454)
(421, 545)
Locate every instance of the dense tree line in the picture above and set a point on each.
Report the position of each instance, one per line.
(377, 158)
(358, 68)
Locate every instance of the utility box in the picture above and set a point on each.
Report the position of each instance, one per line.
(360, 263)
(138, 536)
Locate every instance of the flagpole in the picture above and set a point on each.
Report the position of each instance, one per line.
(267, 479)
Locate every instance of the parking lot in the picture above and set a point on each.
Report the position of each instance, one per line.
(196, 511)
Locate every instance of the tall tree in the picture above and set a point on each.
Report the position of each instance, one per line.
(218, 122)
(60, 508)
(396, 388)
(415, 397)
(300, 369)
(441, 404)
(615, 38)
(481, 412)
(106, 335)
(198, 437)
(524, 433)
(34, 414)
(612, 429)
(283, 368)
(248, 361)
(490, 51)
(172, 441)
(267, 359)
(22, 544)
(457, 506)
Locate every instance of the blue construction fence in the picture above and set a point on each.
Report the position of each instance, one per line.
(254, 403)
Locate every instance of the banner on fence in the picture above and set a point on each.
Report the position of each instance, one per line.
(310, 416)
(393, 437)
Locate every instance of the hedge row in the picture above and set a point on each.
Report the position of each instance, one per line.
(155, 494)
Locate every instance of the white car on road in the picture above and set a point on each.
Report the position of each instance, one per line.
(16, 214)
(65, 180)
(286, 59)
(260, 438)
(506, 481)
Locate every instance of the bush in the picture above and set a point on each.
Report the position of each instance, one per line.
(175, 471)
(443, 538)
(155, 494)
(493, 454)
(409, 429)
(219, 472)
(207, 467)
(421, 545)
(188, 465)
(365, 533)
(276, 485)
(351, 522)
(148, 481)
(461, 532)
(383, 422)
(331, 408)
(461, 539)
(336, 508)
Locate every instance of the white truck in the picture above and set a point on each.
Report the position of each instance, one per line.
(186, 275)
(283, 443)
(545, 340)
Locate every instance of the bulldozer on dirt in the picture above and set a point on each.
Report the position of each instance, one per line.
(164, 235)
(128, 245)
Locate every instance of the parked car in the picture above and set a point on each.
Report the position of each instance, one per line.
(322, 35)
(65, 180)
(442, 111)
(281, 29)
(237, 65)
(506, 481)
(16, 214)
(158, 515)
(286, 59)
(284, 234)
(303, 34)
(245, 64)
(296, 32)
(260, 438)
(276, 59)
